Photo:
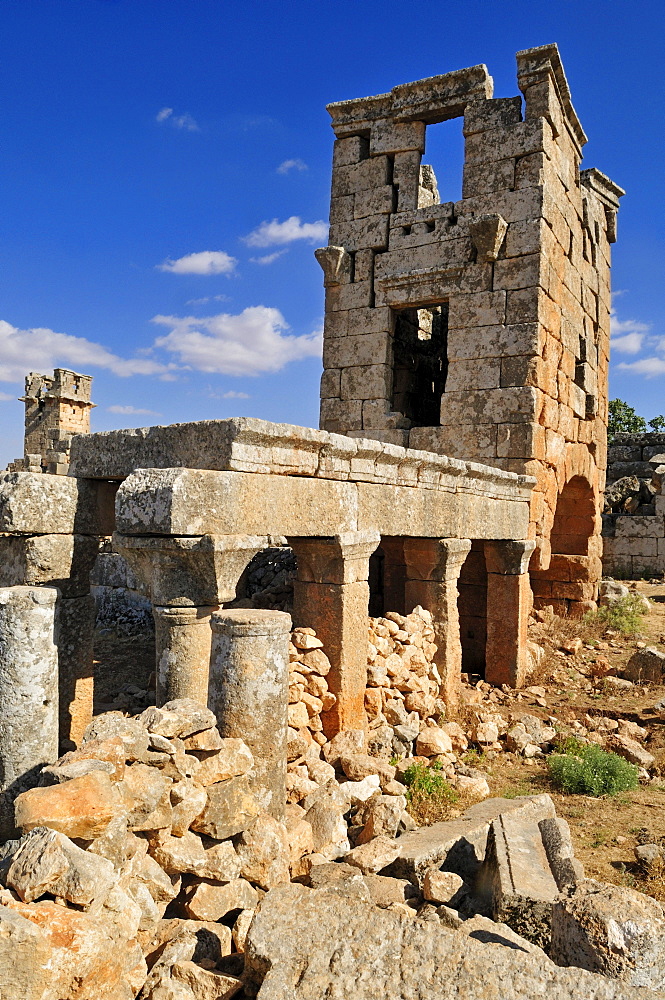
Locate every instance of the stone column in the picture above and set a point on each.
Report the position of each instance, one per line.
(331, 595)
(508, 606)
(394, 574)
(28, 691)
(188, 578)
(249, 679)
(182, 645)
(432, 567)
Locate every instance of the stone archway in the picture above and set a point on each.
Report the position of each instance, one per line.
(568, 583)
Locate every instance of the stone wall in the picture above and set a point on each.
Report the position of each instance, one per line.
(634, 527)
(476, 329)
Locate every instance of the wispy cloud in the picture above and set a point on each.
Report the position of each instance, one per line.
(288, 165)
(132, 410)
(275, 233)
(207, 298)
(269, 258)
(184, 121)
(204, 262)
(6, 396)
(235, 395)
(649, 367)
(627, 335)
(40, 349)
(254, 342)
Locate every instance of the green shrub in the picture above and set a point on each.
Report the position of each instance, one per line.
(425, 782)
(625, 615)
(585, 769)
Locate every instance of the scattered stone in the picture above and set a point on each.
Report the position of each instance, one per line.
(230, 809)
(440, 886)
(630, 750)
(212, 901)
(80, 808)
(373, 856)
(264, 853)
(46, 861)
(646, 666)
(232, 759)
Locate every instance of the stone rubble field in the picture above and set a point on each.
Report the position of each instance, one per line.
(146, 868)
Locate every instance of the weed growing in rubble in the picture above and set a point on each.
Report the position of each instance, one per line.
(585, 769)
(427, 783)
(625, 616)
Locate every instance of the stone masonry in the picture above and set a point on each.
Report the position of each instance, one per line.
(478, 329)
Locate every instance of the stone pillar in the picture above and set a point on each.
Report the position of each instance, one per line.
(331, 595)
(28, 691)
(249, 679)
(188, 578)
(394, 574)
(182, 652)
(508, 606)
(432, 567)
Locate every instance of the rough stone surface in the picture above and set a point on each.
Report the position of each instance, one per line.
(307, 944)
(80, 808)
(611, 930)
(231, 808)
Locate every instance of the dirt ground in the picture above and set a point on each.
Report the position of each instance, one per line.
(605, 830)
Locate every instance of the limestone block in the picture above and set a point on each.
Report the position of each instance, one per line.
(517, 873)
(231, 808)
(356, 295)
(361, 234)
(25, 957)
(35, 504)
(183, 501)
(76, 625)
(459, 845)
(366, 175)
(362, 349)
(341, 209)
(514, 404)
(494, 341)
(305, 943)
(80, 808)
(521, 272)
(377, 201)
(406, 178)
(485, 178)
(48, 862)
(477, 309)
(387, 136)
(445, 253)
(500, 112)
(611, 930)
(349, 151)
(62, 561)
(28, 691)
(479, 373)
(366, 382)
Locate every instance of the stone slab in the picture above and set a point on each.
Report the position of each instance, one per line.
(32, 503)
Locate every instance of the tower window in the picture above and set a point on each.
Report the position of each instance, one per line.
(420, 363)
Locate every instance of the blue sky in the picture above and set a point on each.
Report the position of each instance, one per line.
(165, 173)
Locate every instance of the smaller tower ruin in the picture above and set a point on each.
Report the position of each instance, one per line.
(56, 408)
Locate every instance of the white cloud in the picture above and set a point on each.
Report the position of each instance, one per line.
(274, 233)
(288, 165)
(41, 349)
(235, 395)
(251, 343)
(129, 410)
(649, 367)
(207, 298)
(204, 262)
(6, 396)
(627, 335)
(269, 258)
(184, 121)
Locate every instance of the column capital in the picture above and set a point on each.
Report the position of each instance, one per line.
(183, 571)
(247, 622)
(435, 558)
(338, 559)
(508, 557)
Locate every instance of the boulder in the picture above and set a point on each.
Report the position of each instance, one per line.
(631, 750)
(181, 717)
(80, 808)
(205, 984)
(232, 759)
(25, 955)
(432, 741)
(132, 732)
(646, 666)
(189, 855)
(441, 887)
(46, 861)
(264, 853)
(230, 809)
(611, 930)
(374, 856)
(305, 944)
(212, 901)
(146, 791)
(381, 817)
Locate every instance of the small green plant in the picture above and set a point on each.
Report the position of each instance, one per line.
(474, 757)
(585, 769)
(425, 782)
(622, 419)
(624, 616)
(395, 759)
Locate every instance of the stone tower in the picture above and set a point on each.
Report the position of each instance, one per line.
(478, 329)
(56, 408)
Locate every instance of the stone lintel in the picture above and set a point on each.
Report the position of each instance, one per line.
(32, 503)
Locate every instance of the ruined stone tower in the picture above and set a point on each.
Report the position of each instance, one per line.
(55, 409)
(478, 329)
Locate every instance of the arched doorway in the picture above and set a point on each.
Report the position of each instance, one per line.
(567, 585)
